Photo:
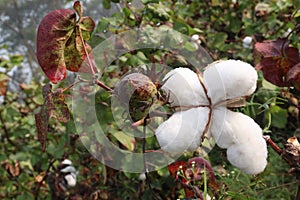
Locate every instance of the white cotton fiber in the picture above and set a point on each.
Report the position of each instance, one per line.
(184, 88)
(230, 127)
(239, 133)
(71, 179)
(183, 130)
(249, 157)
(229, 79)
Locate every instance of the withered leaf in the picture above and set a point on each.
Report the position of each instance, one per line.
(54, 106)
(13, 170)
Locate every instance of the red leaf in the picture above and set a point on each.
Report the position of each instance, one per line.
(61, 43)
(174, 167)
(277, 58)
(293, 76)
(54, 31)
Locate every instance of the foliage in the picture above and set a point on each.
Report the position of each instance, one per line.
(221, 28)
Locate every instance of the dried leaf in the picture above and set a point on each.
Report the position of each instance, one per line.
(3, 87)
(54, 106)
(13, 170)
(41, 121)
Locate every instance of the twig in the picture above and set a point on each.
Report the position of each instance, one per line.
(37, 190)
(210, 106)
(277, 149)
(145, 162)
(101, 84)
(85, 50)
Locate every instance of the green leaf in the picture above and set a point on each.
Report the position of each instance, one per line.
(127, 141)
(279, 116)
(106, 4)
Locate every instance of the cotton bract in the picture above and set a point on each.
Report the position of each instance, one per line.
(238, 133)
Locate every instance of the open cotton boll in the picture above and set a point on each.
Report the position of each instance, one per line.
(71, 179)
(183, 130)
(229, 79)
(249, 158)
(184, 88)
(230, 127)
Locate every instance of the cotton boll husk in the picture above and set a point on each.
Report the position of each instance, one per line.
(248, 157)
(183, 130)
(229, 79)
(184, 88)
(230, 128)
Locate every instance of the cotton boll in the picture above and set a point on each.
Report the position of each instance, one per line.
(184, 88)
(66, 162)
(229, 79)
(247, 157)
(71, 179)
(183, 130)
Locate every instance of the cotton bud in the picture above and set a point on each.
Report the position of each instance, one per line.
(183, 130)
(229, 79)
(247, 42)
(138, 92)
(183, 87)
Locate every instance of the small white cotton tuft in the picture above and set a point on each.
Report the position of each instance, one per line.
(229, 79)
(71, 179)
(184, 88)
(183, 130)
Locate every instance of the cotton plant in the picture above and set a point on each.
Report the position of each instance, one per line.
(201, 102)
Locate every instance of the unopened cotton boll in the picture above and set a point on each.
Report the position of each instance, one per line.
(183, 87)
(249, 158)
(229, 79)
(183, 130)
